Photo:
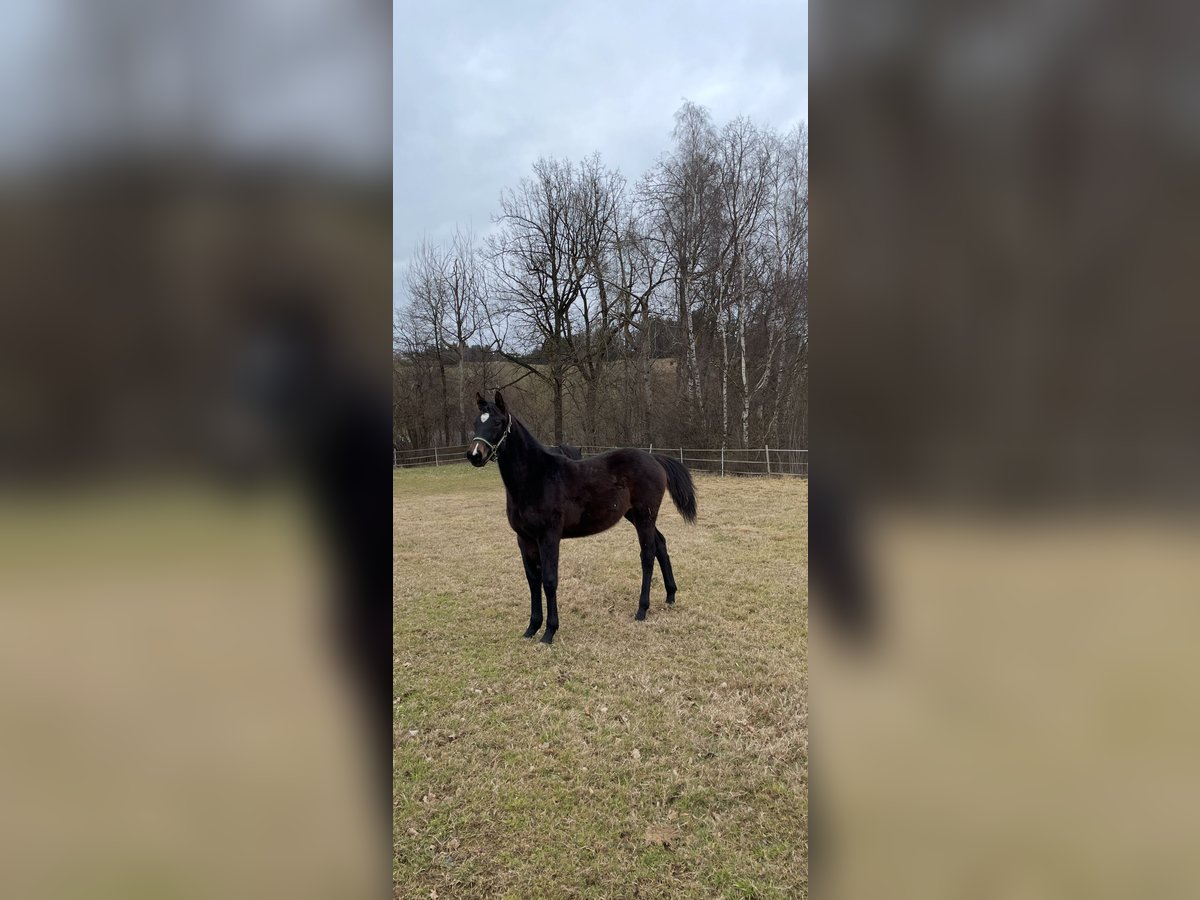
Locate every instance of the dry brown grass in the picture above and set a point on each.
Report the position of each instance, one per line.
(665, 758)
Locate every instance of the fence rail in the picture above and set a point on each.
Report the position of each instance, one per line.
(727, 461)
(430, 456)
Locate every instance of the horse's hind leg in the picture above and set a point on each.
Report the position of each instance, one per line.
(664, 563)
(646, 532)
(533, 575)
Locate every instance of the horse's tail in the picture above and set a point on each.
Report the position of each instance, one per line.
(679, 483)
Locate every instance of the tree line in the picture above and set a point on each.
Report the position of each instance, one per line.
(670, 311)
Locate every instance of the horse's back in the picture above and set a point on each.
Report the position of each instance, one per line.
(624, 460)
(635, 470)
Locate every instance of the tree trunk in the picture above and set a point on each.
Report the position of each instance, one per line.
(691, 369)
(558, 405)
(627, 384)
(445, 400)
(646, 361)
(745, 382)
(741, 336)
(724, 332)
(589, 406)
(772, 426)
(462, 392)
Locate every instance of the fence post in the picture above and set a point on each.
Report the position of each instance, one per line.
(435, 459)
(651, 447)
(767, 450)
(681, 456)
(395, 457)
(722, 460)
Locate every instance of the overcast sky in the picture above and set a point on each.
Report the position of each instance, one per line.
(481, 90)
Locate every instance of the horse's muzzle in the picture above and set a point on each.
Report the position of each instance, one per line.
(477, 455)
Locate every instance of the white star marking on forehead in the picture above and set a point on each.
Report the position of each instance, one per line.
(484, 417)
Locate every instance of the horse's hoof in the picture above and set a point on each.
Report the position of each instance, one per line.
(671, 600)
(547, 638)
(641, 615)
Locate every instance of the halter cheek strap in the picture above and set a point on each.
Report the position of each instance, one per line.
(495, 448)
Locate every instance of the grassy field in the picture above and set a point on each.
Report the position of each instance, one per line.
(665, 758)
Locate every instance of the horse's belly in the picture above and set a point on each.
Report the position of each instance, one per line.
(593, 521)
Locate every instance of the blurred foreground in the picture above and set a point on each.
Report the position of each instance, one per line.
(1004, 383)
(1026, 726)
(174, 721)
(194, 269)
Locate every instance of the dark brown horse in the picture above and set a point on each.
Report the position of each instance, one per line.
(551, 497)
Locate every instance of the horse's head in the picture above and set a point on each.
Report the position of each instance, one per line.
(491, 428)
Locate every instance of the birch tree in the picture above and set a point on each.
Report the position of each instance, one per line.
(681, 195)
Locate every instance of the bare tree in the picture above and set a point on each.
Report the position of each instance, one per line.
(533, 255)
(745, 163)
(429, 296)
(681, 192)
(414, 378)
(599, 200)
(465, 289)
(551, 258)
(640, 273)
(585, 285)
(786, 263)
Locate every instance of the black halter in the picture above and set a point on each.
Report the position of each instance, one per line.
(495, 448)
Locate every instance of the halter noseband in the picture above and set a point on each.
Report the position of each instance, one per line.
(495, 448)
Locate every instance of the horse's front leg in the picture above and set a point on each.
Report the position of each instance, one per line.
(533, 575)
(548, 551)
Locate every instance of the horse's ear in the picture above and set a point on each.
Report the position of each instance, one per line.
(479, 399)
(500, 403)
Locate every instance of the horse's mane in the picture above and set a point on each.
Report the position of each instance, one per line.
(564, 449)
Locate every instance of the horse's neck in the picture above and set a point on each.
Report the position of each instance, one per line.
(522, 460)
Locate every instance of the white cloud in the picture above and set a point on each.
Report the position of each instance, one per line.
(479, 96)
